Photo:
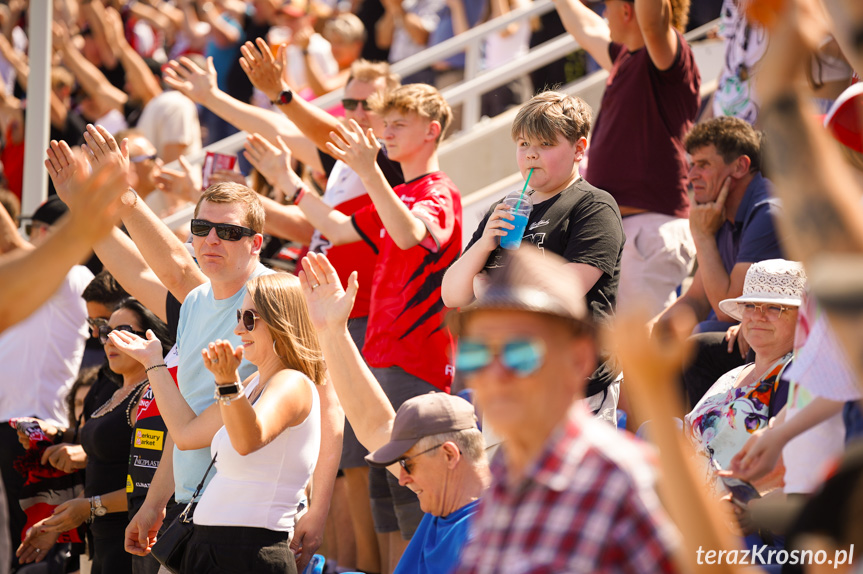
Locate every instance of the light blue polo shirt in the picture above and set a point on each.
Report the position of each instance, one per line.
(203, 319)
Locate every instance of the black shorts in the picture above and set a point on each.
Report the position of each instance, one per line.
(227, 549)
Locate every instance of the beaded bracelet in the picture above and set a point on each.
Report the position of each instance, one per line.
(148, 369)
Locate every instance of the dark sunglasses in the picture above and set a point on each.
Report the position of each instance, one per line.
(225, 231)
(521, 356)
(96, 322)
(248, 317)
(351, 105)
(403, 462)
(105, 330)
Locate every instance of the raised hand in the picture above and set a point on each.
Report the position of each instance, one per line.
(274, 163)
(67, 172)
(96, 204)
(102, 147)
(191, 80)
(357, 149)
(329, 304)
(184, 183)
(223, 361)
(147, 351)
(265, 72)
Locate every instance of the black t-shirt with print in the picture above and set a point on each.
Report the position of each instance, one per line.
(581, 224)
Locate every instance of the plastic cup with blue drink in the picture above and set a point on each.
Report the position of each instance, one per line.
(520, 205)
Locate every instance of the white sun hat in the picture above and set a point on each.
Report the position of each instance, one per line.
(774, 281)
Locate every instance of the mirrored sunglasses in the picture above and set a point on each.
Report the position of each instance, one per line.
(521, 356)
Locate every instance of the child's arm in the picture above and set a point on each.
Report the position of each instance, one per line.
(457, 289)
(360, 151)
(275, 165)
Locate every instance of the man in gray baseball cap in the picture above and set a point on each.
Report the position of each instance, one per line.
(431, 444)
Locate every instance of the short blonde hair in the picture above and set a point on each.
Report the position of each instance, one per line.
(367, 71)
(348, 27)
(279, 301)
(549, 114)
(421, 99)
(231, 192)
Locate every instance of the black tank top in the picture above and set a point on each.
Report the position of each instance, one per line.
(106, 441)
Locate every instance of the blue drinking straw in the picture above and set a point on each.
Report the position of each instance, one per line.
(520, 197)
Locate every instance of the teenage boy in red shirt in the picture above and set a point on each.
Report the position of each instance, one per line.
(415, 229)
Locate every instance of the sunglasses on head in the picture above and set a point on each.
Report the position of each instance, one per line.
(248, 317)
(105, 330)
(351, 105)
(225, 231)
(521, 356)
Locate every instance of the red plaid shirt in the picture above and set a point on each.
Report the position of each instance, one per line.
(587, 505)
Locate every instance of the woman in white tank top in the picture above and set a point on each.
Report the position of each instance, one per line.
(265, 432)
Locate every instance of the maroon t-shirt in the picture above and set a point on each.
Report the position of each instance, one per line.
(636, 150)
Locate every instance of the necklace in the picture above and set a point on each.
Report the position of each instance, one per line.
(112, 404)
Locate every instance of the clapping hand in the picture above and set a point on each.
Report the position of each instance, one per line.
(357, 149)
(223, 361)
(329, 304)
(147, 351)
(265, 72)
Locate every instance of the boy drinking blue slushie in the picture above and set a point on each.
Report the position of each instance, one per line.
(569, 217)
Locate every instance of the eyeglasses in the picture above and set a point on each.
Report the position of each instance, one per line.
(143, 158)
(96, 323)
(225, 231)
(351, 105)
(105, 330)
(248, 317)
(521, 356)
(770, 312)
(403, 462)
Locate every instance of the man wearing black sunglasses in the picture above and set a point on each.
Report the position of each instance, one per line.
(163, 275)
(571, 491)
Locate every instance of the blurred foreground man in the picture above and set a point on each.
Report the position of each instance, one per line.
(568, 493)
